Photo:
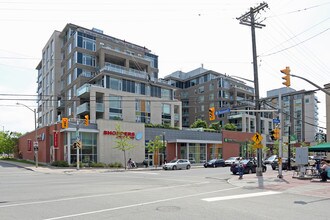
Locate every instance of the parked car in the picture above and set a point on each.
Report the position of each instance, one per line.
(270, 159)
(284, 164)
(177, 164)
(249, 166)
(231, 160)
(215, 163)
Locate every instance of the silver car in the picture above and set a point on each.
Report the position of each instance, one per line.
(177, 164)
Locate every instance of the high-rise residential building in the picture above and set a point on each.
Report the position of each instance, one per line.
(201, 89)
(299, 113)
(87, 72)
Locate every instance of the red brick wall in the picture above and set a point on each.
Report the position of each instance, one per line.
(233, 149)
(44, 144)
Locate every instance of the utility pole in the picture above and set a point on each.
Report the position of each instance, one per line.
(250, 20)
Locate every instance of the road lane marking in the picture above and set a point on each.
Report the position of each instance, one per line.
(101, 195)
(138, 204)
(249, 195)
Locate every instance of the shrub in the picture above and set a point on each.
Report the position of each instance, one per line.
(60, 163)
(93, 164)
(115, 165)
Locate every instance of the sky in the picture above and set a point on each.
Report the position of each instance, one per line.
(185, 34)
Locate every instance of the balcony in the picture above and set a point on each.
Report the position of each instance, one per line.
(83, 90)
(60, 104)
(122, 70)
(84, 108)
(99, 107)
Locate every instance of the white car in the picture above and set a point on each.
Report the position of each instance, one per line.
(270, 159)
(177, 164)
(231, 160)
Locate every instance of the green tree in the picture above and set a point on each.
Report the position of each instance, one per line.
(154, 146)
(9, 142)
(123, 142)
(230, 127)
(199, 123)
(216, 126)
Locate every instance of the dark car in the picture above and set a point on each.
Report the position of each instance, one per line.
(215, 163)
(249, 166)
(274, 164)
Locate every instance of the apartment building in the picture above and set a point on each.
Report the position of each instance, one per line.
(299, 112)
(201, 89)
(86, 72)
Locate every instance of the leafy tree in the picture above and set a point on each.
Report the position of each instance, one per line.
(123, 142)
(230, 127)
(9, 142)
(216, 126)
(199, 123)
(155, 145)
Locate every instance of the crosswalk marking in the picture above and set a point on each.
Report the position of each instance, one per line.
(249, 195)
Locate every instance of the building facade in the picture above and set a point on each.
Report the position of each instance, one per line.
(201, 89)
(299, 113)
(86, 72)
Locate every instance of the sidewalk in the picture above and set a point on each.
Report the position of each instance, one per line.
(270, 181)
(51, 169)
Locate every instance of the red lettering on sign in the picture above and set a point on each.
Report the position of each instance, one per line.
(124, 133)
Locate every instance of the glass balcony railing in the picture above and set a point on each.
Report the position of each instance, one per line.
(83, 89)
(83, 108)
(99, 107)
(123, 70)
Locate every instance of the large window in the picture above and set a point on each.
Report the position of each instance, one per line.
(115, 84)
(88, 153)
(142, 111)
(115, 108)
(86, 41)
(86, 59)
(166, 114)
(166, 94)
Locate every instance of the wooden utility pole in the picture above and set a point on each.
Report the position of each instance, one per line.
(249, 19)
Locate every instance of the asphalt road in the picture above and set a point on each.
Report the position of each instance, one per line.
(183, 194)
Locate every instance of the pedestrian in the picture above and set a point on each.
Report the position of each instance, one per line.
(129, 163)
(324, 171)
(240, 170)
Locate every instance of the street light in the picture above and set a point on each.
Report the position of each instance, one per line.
(164, 145)
(35, 145)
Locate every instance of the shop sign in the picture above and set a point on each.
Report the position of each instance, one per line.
(124, 133)
(55, 139)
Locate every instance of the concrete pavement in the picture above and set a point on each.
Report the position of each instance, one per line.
(268, 181)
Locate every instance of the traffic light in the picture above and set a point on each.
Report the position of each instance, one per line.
(65, 123)
(86, 120)
(272, 135)
(286, 71)
(212, 113)
(277, 133)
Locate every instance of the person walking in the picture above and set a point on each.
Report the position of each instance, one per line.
(240, 170)
(324, 171)
(129, 163)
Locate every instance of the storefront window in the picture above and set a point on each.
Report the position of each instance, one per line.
(88, 153)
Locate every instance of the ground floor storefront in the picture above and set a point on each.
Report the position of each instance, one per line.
(99, 144)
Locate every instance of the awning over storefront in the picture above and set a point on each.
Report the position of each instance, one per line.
(324, 147)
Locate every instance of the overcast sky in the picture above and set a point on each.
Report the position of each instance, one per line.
(185, 34)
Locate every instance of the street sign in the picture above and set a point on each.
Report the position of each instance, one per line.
(222, 111)
(35, 145)
(257, 138)
(79, 144)
(258, 146)
(276, 121)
